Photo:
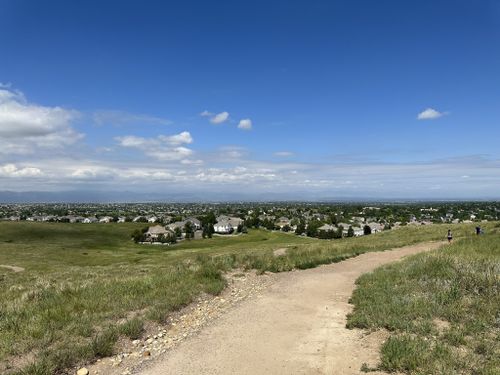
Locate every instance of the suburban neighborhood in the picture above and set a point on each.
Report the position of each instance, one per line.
(169, 223)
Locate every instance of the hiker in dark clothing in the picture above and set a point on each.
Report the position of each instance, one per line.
(478, 230)
(450, 236)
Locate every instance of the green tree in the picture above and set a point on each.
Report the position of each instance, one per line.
(312, 228)
(178, 232)
(339, 233)
(350, 231)
(301, 228)
(189, 230)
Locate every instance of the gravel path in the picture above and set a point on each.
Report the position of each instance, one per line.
(295, 326)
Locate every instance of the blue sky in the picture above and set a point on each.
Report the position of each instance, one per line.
(312, 98)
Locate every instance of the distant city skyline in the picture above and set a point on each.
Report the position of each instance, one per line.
(247, 100)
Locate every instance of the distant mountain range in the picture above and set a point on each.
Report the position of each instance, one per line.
(80, 196)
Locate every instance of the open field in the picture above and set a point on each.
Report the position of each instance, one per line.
(442, 309)
(83, 286)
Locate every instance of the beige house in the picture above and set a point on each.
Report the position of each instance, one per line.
(156, 231)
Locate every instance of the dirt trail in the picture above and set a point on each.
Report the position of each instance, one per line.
(296, 326)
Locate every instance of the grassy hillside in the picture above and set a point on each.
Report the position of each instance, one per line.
(442, 309)
(85, 285)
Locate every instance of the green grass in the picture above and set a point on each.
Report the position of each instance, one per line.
(84, 286)
(442, 309)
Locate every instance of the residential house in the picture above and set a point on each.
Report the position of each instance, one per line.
(181, 224)
(327, 228)
(376, 227)
(283, 221)
(156, 231)
(223, 227)
(196, 223)
(234, 221)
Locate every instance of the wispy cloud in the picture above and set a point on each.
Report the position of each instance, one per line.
(245, 124)
(205, 113)
(122, 118)
(283, 154)
(232, 152)
(219, 118)
(430, 114)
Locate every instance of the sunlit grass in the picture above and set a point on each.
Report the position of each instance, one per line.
(442, 308)
(82, 283)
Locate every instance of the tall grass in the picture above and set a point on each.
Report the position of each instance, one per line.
(442, 308)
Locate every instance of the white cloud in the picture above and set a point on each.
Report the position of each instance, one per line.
(177, 139)
(25, 126)
(177, 153)
(205, 113)
(430, 114)
(11, 170)
(120, 118)
(283, 154)
(162, 147)
(219, 118)
(245, 124)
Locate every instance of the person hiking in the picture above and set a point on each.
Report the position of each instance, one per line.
(478, 230)
(450, 236)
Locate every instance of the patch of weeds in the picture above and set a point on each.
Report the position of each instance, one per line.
(454, 337)
(133, 328)
(104, 344)
(157, 314)
(366, 368)
(404, 353)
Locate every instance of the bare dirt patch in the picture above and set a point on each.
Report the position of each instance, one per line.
(12, 268)
(280, 252)
(441, 325)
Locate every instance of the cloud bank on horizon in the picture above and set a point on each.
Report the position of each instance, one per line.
(170, 162)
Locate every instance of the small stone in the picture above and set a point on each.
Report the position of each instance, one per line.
(82, 371)
(136, 342)
(149, 341)
(147, 353)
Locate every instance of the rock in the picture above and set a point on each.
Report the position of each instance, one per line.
(136, 342)
(147, 353)
(149, 341)
(82, 371)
